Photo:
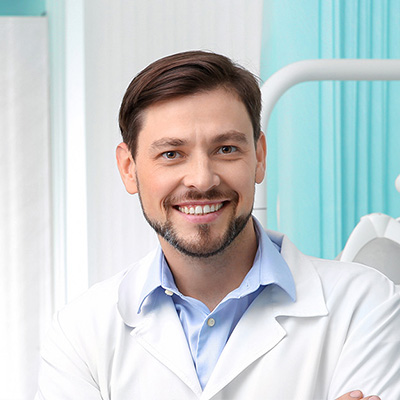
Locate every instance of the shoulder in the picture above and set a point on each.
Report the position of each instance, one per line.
(359, 298)
(356, 280)
(336, 275)
(99, 304)
(347, 288)
(89, 316)
(99, 296)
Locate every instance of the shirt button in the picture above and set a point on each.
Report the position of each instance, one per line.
(168, 292)
(211, 322)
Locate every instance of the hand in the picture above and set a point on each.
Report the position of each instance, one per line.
(357, 395)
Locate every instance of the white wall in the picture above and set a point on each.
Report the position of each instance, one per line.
(25, 203)
(122, 37)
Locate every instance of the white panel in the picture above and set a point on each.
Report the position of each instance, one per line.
(75, 140)
(56, 38)
(121, 38)
(25, 226)
(68, 133)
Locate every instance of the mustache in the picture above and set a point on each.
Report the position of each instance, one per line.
(212, 194)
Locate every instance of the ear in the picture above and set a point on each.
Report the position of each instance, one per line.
(127, 168)
(261, 154)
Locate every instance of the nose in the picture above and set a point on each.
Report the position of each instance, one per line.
(200, 174)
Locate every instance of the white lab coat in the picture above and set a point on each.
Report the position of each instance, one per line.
(342, 333)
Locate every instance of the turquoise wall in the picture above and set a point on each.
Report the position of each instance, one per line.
(22, 7)
(333, 147)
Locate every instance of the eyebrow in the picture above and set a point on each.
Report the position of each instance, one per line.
(234, 136)
(167, 142)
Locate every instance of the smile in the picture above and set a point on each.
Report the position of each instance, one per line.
(200, 210)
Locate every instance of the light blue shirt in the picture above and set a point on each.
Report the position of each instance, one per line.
(208, 332)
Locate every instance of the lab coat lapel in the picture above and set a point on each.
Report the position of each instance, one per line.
(310, 299)
(160, 333)
(157, 327)
(259, 330)
(256, 334)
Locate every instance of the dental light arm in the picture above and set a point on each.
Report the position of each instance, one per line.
(316, 70)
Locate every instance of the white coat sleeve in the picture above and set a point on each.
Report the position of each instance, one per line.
(64, 375)
(370, 359)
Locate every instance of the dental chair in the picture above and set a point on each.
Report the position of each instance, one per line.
(375, 242)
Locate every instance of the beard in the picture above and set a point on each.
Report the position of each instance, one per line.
(204, 245)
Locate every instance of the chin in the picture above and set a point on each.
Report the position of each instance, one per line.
(203, 245)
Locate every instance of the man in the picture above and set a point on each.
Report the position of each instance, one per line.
(222, 309)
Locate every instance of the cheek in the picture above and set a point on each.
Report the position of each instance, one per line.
(160, 185)
(243, 181)
(154, 178)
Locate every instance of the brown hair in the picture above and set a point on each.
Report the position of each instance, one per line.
(184, 74)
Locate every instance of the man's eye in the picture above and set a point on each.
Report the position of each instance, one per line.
(227, 149)
(170, 155)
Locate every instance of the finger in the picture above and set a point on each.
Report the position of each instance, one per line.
(372, 398)
(353, 395)
(357, 395)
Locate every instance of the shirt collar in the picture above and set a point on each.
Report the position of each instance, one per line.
(272, 267)
(153, 280)
(268, 268)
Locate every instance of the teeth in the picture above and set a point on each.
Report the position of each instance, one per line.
(199, 210)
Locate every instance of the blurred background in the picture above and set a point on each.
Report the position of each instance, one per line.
(66, 221)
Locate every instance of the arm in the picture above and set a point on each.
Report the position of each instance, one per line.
(64, 375)
(370, 358)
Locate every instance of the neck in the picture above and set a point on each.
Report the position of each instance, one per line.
(211, 279)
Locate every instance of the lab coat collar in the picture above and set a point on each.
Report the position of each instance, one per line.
(309, 292)
(132, 286)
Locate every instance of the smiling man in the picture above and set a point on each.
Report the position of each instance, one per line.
(222, 309)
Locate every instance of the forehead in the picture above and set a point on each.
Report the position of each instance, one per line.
(201, 115)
